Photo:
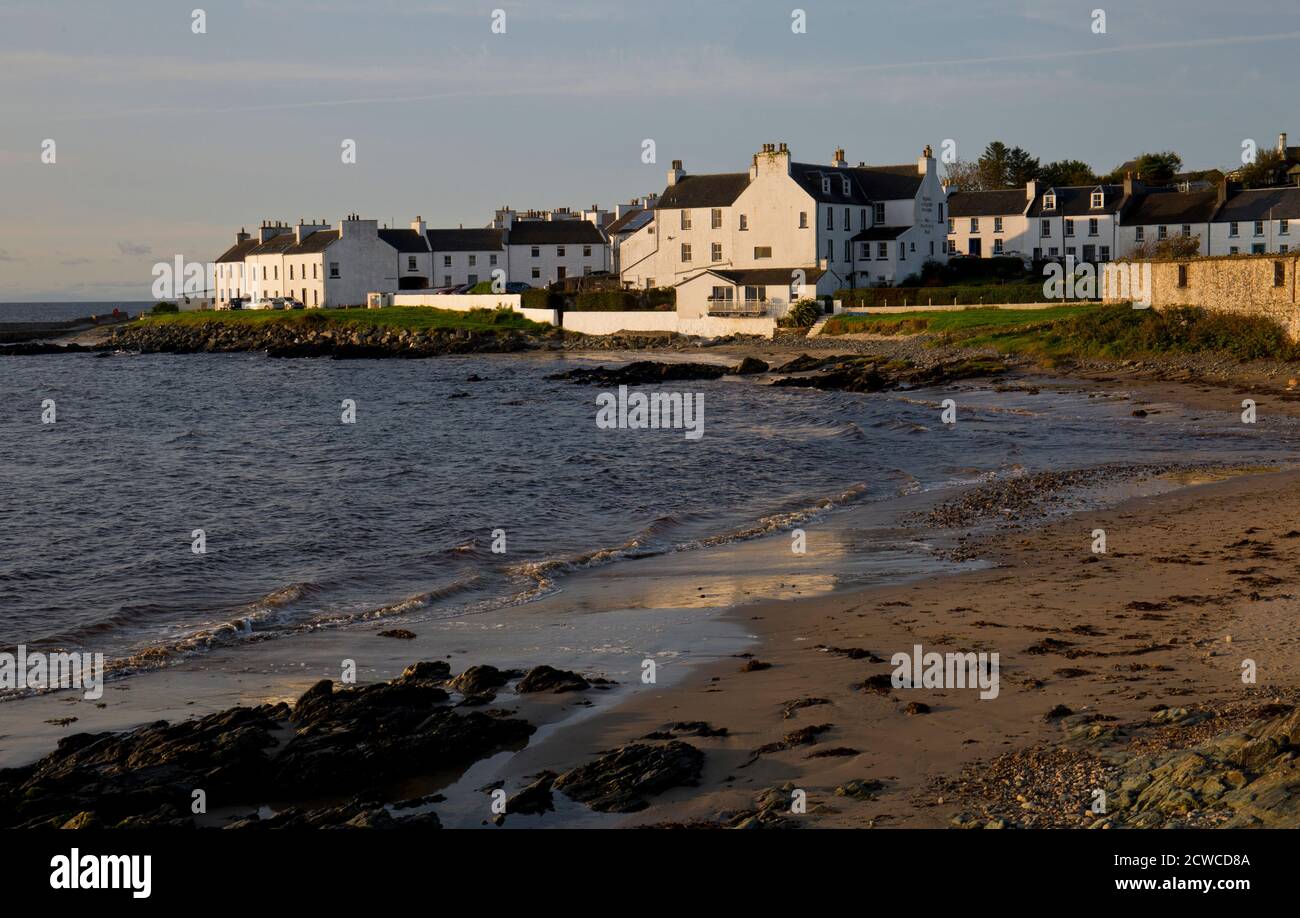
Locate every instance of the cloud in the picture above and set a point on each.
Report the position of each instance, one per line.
(5, 256)
(134, 248)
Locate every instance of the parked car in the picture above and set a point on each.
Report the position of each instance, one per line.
(518, 287)
(291, 303)
(264, 303)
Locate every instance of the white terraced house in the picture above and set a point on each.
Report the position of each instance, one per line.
(785, 225)
(1037, 221)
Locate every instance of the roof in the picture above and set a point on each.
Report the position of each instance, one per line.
(276, 244)
(555, 232)
(1161, 207)
(631, 221)
(318, 241)
(763, 276)
(404, 240)
(880, 233)
(1261, 204)
(867, 184)
(1076, 201)
(888, 183)
(719, 189)
(466, 240)
(237, 251)
(987, 203)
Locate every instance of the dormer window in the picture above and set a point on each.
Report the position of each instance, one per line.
(1098, 199)
(826, 185)
(1049, 201)
(845, 180)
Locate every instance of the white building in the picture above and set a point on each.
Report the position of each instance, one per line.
(1079, 221)
(812, 227)
(467, 256)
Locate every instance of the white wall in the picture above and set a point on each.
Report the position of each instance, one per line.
(609, 323)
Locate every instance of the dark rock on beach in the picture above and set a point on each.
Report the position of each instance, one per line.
(619, 781)
(548, 679)
(643, 372)
(866, 373)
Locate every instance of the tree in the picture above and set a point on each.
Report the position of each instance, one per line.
(1065, 172)
(992, 165)
(1154, 168)
(964, 176)
(1021, 167)
(1263, 171)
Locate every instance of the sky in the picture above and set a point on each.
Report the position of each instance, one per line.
(167, 141)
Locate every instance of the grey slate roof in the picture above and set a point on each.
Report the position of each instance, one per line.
(237, 251)
(1076, 201)
(466, 240)
(630, 222)
(278, 243)
(718, 189)
(1261, 204)
(318, 241)
(1165, 207)
(404, 240)
(1006, 202)
(555, 232)
(867, 184)
(765, 276)
(880, 233)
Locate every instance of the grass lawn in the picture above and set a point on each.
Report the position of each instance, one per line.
(906, 322)
(413, 318)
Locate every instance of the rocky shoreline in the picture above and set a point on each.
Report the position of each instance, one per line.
(350, 746)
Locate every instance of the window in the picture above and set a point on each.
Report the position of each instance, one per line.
(1257, 249)
(830, 250)
(715, 218)
(291, 271)
(940, 213)
(473, 279)
(586, 253)
(723, 294)
(744, 223)
(1044, 227)
(537, 273)
(826, 184)
(1139, 234)
(830, 219)
(717, 251)
(686, 251)
(276, 270)
(1182, 275)
(997, 224)
(1093, 226)
(315, 297)
(932, 247)
(1259, 227)
(952, 225)
(1284, 248)
(263, 272)
(686, 219)
(410, 263)
(492, 260)
(1049, 201)
(882, 251)
(1187, 231)
(755, 294)
(1069, 229)
(446, 261)
(473, 261)
(844, 184)
(1162, 232)
(862, 218)
(334, 269)
(762, 251)
(1053, 251)
(1233, 229)
(446, 279)
(536, 251)
(1098, 199)
(997, 246)
(1234, 251)
(879, 215)
(1279, 273)
(586, 269)
(974, 224)
(848, 250)
(1105, 253)
(803, 219)
(1284, 228)
(559, 251)
(649, 283)
(847, 212)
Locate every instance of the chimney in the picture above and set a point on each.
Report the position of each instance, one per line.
(241, 236)
(676, 173)
(837, 158)
(1281, 145)
(1031, 190)
(418, 225)
(925, 165)
(772, 158)
(1222, 197)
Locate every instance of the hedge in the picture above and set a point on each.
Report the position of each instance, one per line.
(661, 299)
(944, 296)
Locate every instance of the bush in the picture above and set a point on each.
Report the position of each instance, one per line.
(482, 287)
(1027, 292)
(541, 299)
(161, 308)
(803, 314)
